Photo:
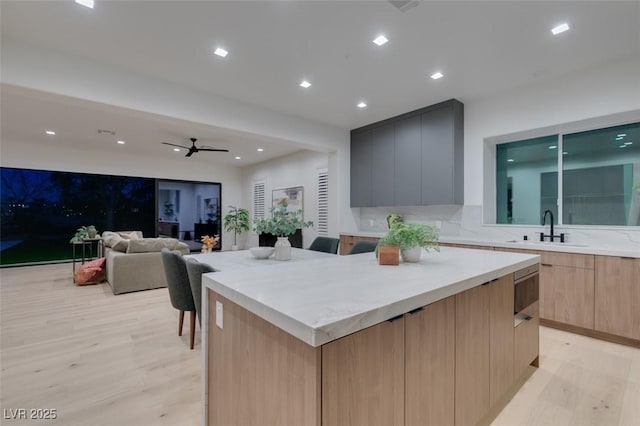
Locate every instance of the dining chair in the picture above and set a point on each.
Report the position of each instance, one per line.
(195, 270)
(363, 247)
(325, 244)
(175, 270)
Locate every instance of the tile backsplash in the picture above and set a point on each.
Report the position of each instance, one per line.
(465, 222)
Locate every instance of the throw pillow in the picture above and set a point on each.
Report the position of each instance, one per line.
(91, 272)
(122, 245)
(131, 235)
(110, 239)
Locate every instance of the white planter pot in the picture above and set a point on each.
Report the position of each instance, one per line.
(411, 255)
(282, 249)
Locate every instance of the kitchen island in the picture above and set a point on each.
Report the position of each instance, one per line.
(340, 340)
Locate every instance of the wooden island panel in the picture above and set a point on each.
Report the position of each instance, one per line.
(429, 389)
(363, 377)
(258, 374)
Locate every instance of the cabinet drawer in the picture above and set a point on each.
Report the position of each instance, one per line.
(584, 261)
(526, 341)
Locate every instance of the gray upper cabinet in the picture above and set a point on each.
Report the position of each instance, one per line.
(382, 165)
(410, 160)
(442, 157)
(361, 169)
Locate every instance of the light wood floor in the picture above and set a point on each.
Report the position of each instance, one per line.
(101, 359)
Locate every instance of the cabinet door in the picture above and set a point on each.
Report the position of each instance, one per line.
(363, 377)
(500, 337)
(382, 165)
(430, 365)
(437, 156)
(472, 356)
(567, 295)
(617, 296)
(526, 341)
(361, 169)
(408, 190)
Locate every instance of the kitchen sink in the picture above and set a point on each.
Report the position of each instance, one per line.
(545, 243)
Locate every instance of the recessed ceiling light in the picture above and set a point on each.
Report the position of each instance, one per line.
(176, 149)
(628, 143)
(362, 105)
(85, 3)
(121, 142)
(553, 146)
(50, 132)
(260, 149)
(221, 52)
(619, 138)
(622, 135)
(305, 84)
(510, 160)
(564, 152)
(560, 28)
(237, 158)
(622, 146)
(437, 75)
(380, 40)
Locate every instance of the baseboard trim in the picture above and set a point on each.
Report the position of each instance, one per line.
(591, 333)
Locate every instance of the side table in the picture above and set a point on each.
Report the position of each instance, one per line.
(84, 250)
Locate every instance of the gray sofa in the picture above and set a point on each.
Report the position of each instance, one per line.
(135, 263)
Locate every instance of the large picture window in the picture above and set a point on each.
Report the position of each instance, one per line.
(584, 178)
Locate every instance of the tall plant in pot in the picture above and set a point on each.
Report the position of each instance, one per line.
(411, 238)
(236, 221)
(281, 224)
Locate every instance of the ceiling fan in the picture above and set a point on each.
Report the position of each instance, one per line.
(193, 148)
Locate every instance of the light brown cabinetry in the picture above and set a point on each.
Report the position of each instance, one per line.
(526, 340)
(347, 242)
(257, 373)
(567, 293)
(617, 296)
(387, 374)
(430, 365)
(484, 348)
(361, 368)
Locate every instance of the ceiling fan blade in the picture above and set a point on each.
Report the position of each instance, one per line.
(173, 144)
(213, 149)
(190, 153)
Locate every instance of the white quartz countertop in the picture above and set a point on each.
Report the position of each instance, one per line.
(528, 245)
(319, 298)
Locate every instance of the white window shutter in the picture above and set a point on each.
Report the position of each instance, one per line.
(322, 226)
(258, 200)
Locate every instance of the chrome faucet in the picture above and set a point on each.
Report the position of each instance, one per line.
(551, 236)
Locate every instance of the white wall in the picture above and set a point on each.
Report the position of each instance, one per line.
(598, 92)
(300, 168)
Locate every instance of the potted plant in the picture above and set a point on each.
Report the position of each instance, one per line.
(281, 224)
(236, 221)
(410, 239)
(83, 233)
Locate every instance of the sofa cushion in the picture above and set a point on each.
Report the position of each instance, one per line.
(146, 245)
(131, 235)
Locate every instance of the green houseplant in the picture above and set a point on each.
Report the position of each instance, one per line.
(411, 238)
(83, 233)
(236, 221)
(281, 224)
